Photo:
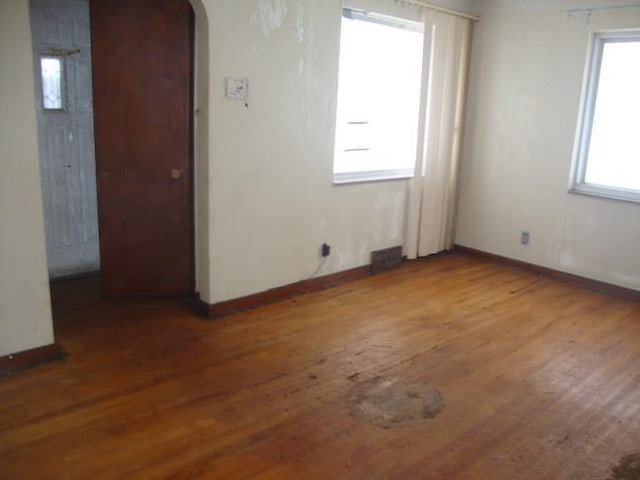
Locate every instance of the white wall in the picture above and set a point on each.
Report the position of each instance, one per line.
(272, 199)
(272, 202)
(25, 313)
(526, 77)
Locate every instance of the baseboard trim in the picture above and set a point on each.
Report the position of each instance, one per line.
(30, 358)
(200, 307)
(248, 302)
(588, 283)
(255, 300)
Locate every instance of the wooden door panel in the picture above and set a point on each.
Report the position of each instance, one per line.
(142, 65)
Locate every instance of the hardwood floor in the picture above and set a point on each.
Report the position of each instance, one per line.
(540, 380)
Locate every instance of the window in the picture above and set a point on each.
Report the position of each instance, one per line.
(378, 97)
(608, 141)
(51, 70)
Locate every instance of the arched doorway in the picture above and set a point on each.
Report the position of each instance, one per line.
(196, 115)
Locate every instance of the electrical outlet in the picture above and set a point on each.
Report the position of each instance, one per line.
(525, 237)
(325, 250)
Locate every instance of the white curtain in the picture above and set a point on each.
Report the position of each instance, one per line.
(432, 193)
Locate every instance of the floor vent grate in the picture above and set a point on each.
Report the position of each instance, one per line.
(386, 259)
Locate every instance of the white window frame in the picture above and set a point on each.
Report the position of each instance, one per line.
(585, 122)
(341, 178)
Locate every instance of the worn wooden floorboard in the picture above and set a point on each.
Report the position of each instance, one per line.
(540, 379)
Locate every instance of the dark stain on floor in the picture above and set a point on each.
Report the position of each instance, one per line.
(390, 402)
(628, 468)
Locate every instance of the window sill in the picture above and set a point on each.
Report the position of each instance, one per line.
(344, 178)
(620, 194)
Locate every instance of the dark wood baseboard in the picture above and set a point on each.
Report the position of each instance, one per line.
(280, 293)
(30, 358)
(289, 291)
(595, 285)
(200, 307)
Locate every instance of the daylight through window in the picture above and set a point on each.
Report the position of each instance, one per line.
(378, 97)
(608, 161)
(51, 69)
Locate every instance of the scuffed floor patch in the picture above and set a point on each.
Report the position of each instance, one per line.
(390, 402)
(628, 468)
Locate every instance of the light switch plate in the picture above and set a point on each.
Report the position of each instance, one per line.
(237, 88)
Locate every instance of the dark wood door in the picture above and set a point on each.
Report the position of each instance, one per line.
(142, 87)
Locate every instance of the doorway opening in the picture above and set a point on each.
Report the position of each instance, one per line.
(64, 110)
(105, 84)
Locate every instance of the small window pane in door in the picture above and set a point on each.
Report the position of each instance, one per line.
(51, 69)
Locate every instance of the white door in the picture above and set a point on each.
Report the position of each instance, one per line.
(62, 66)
